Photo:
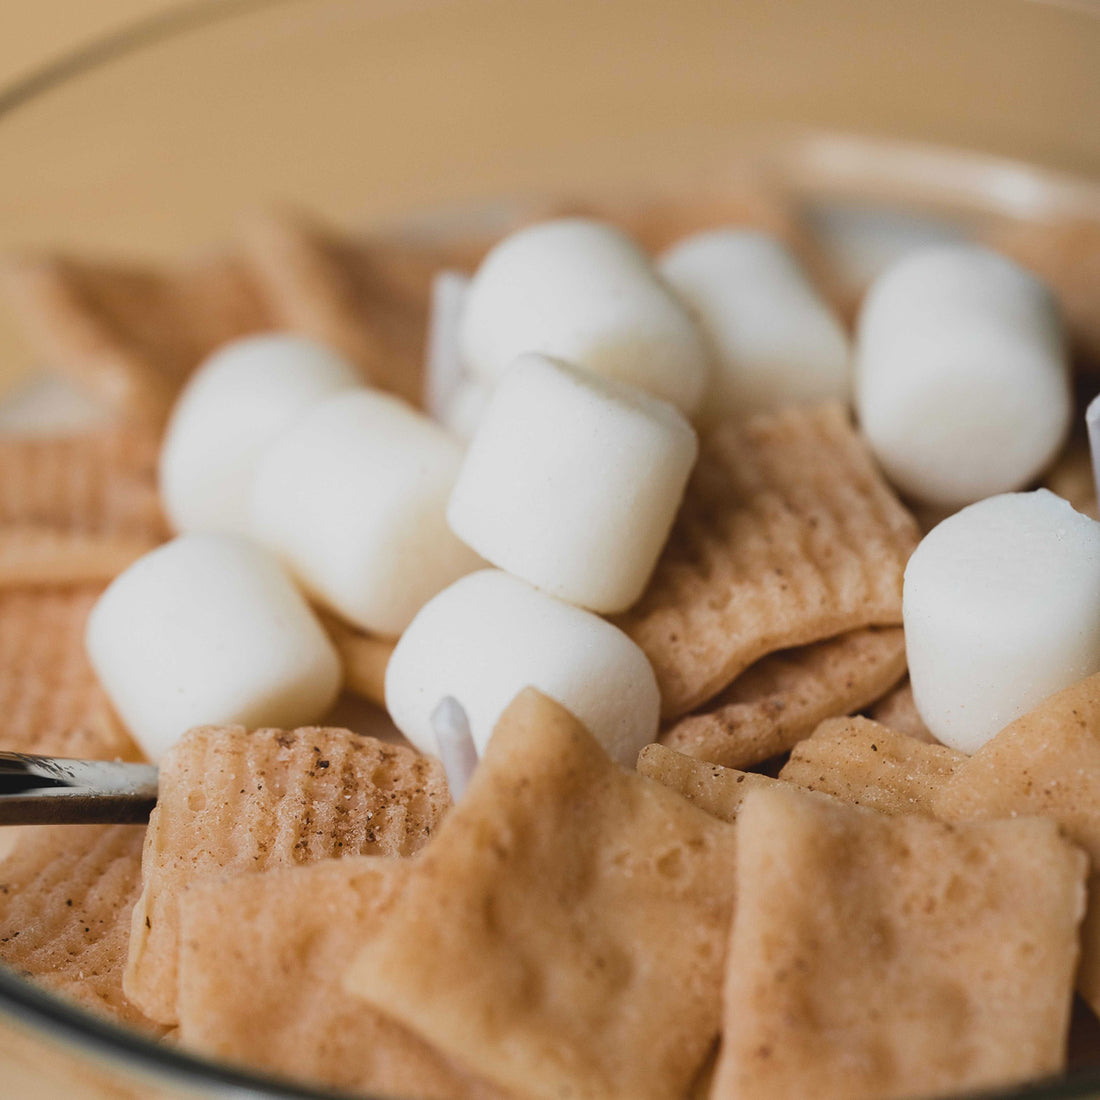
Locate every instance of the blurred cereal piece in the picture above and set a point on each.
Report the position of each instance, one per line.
(1067, 256)
(130, 334)
(77, 509)
(1046, 762)
(233, 801)
(1071, 475)
(862, 762)
(718, 790)
(364, 657)
(33, 556)
(782, 698)
(50, 700)
(898, 710)
(66, 893)
(367, 298)
(262, 959)
(567, 916)
(882, 957)
(788, 535)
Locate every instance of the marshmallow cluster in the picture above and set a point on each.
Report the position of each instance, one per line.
(582, 291)
(235, 405)
(774, 340)
(568, 363)
(352, 498)
(345, 488)
(962, 377)
(208, 629)
(1001, 609)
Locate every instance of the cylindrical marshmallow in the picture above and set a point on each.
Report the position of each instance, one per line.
(962, 379)
(489, 635)
(465, 408)
(582, 291)
(1001, 609)
(572, 482)
(774, 341)
(208, 629)
(241, 399)
(352, 498)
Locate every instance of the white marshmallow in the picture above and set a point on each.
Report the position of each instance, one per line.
(489, 636)
(962, 379)
(572, 482)
(1001, 609)
(242, 398)
(444, 372)
(582, 291)
(352, 498)
(466, 407)
(208, 629)
(774, 341)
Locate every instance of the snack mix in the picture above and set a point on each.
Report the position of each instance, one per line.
(581, 664)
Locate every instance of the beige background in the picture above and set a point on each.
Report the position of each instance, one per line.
(33, 33)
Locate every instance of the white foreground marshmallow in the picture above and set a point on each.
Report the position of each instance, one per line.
(489, 635)
(582, 291)
(572, 482)
(352, 499)
(209, 629)
(962, 378)
(774, 341)
(1001, 609)
(241, 399)
(465, 408)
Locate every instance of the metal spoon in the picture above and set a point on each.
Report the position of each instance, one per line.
(49, 790)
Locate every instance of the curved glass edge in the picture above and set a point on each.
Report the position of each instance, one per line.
(30, 1008)
(128, 39)
(124, 1049)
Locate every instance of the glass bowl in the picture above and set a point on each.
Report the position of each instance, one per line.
(889, 122)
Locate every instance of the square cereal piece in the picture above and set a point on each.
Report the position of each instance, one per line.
(77, 509)
(563, 934)
(898, 710)
(1047, 762)
(720, 791)
(367, 298)
(262, 959)
(233, 801)
(863, 762)
(881, 957)
(788, 534)
(780, 699)
(66, 894)
(130, 334)
(50, 700)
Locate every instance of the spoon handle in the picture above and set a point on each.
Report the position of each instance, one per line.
(50, 790)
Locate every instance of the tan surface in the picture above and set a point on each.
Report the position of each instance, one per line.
(36, 34)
